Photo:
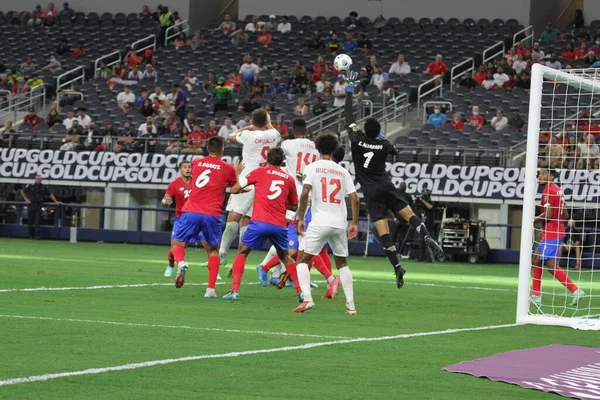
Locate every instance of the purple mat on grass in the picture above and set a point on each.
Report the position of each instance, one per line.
(571, 371)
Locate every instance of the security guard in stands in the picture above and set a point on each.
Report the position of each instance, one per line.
(34, 195)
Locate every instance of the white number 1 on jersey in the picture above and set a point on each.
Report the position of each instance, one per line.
(368, 157)
(275, 189)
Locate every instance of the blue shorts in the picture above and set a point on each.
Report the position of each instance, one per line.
(200, 237)
(257, 232)
(293, 232)
(550, 249)
(191, 226)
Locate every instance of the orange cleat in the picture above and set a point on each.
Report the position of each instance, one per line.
(332, 289)
(305, 306)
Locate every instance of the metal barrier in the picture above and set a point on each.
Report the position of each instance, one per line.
(109, 64)
(171, 28)
(437, 86)
(528, 36)
(428, 103)
(146, 39)
(60, 84)
(35, 98)
(494, 47)
(335, 119)
(470, 60)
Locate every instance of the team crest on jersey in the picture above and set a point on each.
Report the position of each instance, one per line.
(291, 242)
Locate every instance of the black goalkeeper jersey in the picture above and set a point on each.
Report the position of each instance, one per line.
(368, 155)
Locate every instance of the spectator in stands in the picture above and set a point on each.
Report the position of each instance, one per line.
(400, 67)
(489, 83)
(537, 50)
(244, 122)
(588, 154)
(68, 121)
(248, 70)
(150, 74)
(145, 14)
(162, 109)
(334, 44)
(387, 91)
(181, 40)
(250, 105)
(437, 67)
(28, 66)
(104, 71)
(525, 81)
(34, 81)
(227, 25)
(379, 77)
(301, 108)
(457, 121)
(67, 12)
(316, 43)
(63, 47)
(222, 94)
(85, 121)
(53, 65)
(179, 101)
(135, 74)
(481, 75)
(53, 118)
(126, 138)
(319, 107)
(569, 52)
(132, 59)
(284, 25)
(380, 22)
(147, 128)
(364, 44)
(437, 119)
(517, 121)
(550, 35)
(260, 63)
(520, 65)
(191, 81)
(511, 56)
(50, 12)
(146, 109)
(165, 21)
(596, 46)
(320, 68)
(148, 58)
(553, 63)
(71, 141)
(190, 121)
(238, 36)
(593, 128)
(126, 96)
(511, 83)
(281, 127)
(276, 88)
(578, 21)
(371, 66)
(139, 99)
(109, 133)
(80, 50)
(476, 120)
(499, 122)
(32, 119)
(9, 131)
(349, 44)
(264, 37)
(339, 91)
(271, 24)
(210, 82)
(197, 40)
(196, 142)
(16, 21)
(20, 86)
(468, 81)
(500, 77)
(322, 84)
(212, 129)
(354, 22)
(227, 129)
(254, 25)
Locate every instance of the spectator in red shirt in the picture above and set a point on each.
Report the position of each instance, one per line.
(476, 120)
(80, 50)
(437, 67)
(584, 119)
(510, 84)
(593, 128)
(521, 49)
(234, 81)
(132, 59)
(319, 68)
(212, 129)
(264, 37)
(457, 121)
(569, 53)
(481, 75)
(281, 127)
(32, 119)
(196, 142)
(582, 51)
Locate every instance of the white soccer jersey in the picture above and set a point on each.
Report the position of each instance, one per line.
(298, 154)
(331, 183)
(256, 146)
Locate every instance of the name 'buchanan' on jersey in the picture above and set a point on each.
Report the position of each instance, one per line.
(369, 156)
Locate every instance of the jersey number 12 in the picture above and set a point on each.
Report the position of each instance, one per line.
(332, 198)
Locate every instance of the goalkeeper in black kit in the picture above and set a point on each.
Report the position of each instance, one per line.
(369, 154)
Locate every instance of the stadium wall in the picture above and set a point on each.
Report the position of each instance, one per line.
(591, 10)
(506, 9)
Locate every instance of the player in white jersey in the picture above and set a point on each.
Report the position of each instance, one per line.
(257, 140)
(327, 184)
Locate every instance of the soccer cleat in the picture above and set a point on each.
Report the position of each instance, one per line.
(537, 300)
(438, 252)
(578, 295)
(300, 297)
(211, 294)
(274, 280)
(313, 286)
(169, 272)
(332, 289)
(400, 272)
(283, 278)
(305, 306)
(233, 296)
(263, 276)
(350, 309)
(180, 278)
(204, 264)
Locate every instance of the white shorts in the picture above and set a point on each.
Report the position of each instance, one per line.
(241, 203)
(315, 237)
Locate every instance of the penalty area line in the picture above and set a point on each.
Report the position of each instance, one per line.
(125, 367)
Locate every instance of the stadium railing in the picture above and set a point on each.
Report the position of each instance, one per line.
(115, 57)
(499, 49)
(426, 88)
(64, 80)
(35, 98)
(461, 69)
(169, 36)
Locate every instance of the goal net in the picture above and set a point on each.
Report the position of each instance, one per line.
(558, 284)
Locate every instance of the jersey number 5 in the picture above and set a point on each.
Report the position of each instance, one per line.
(333, 195)
(275, 189)
(203, 178)
(368, 157)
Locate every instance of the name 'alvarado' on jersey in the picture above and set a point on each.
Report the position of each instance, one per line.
(370, 146)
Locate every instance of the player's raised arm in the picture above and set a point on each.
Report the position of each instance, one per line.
(353, 129)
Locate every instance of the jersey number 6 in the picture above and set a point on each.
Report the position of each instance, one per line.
(203, 178)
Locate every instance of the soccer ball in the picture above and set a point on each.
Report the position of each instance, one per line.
(342, 63)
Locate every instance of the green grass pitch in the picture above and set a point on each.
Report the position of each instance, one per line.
(78, 329)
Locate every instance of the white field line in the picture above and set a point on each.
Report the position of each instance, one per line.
(91, 371)
(141, 285)
(91, 321)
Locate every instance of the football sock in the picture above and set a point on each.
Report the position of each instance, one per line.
(272, 251)
(213, 271)
(291, 270)
(242, 231)
(325, 257)
(347, 285)
(562, 277)
(171, 258)
(271, 263)
(179, 253)
(317, 261)
(231, 230)
(239, 264)
(304, 280)
(537, 280)
(419, 226)
(389, 249)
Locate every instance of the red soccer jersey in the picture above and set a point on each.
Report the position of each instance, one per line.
(553, 198)
(179, 191)
(274, 191)
(210, 177)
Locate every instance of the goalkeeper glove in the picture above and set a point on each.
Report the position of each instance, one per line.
(351, 81)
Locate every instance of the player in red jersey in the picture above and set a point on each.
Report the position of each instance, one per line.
(274, 194)
(202, 212)
(552, 218)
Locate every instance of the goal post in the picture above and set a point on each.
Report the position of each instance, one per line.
(556, 99)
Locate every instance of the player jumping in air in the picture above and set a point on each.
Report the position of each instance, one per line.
(202, 212)
(274, 194)
(553, 218)
(327, 184)
(257, 140)
(369, 154)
